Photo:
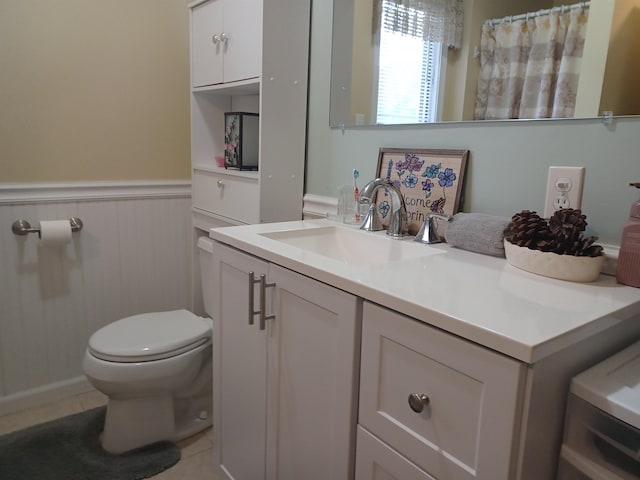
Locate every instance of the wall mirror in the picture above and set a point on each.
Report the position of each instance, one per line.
(375, 77)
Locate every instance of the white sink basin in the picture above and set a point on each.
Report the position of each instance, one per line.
(353, 246)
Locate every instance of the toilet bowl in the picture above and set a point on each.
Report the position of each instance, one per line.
(156, 371)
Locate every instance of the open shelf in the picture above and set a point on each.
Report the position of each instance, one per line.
(250, 86)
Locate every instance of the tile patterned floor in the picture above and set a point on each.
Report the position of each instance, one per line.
(197, 456)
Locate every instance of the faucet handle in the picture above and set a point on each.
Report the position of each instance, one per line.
(428, 232)
(371, 222)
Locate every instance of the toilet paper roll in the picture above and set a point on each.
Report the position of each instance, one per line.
(55, 233)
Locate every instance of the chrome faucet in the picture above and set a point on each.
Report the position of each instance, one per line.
(398, 215)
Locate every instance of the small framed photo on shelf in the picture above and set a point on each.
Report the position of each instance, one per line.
(241, 140)
(430, 180)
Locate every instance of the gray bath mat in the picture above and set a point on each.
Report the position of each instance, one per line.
(69, 449)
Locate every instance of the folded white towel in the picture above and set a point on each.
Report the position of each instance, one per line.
(478, 232)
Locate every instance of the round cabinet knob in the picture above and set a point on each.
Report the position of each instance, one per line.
(417, 401)
(215, 39)
(224, 38)
(220, 183)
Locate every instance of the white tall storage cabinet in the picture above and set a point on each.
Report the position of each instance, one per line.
(249, 56)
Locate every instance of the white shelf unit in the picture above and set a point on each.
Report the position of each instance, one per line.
(271, 80)
(274, 43)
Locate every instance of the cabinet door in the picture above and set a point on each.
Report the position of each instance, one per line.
(465, 426)
(243, 47)
(206, 55)
(313, 358)
(377, 461)
(240, 368)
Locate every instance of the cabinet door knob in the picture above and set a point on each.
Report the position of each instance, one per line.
(215, 39)
(220, 183)
(417, 401)
(224, 38)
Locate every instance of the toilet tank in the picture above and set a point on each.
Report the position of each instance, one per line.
(205, 252)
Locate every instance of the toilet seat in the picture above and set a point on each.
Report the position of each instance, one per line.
(150, 336)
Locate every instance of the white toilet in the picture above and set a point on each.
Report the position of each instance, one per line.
(155, 369)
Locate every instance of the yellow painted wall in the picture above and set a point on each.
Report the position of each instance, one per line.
(620, 92)
(362, 79)
(94, 90)
(596, 45)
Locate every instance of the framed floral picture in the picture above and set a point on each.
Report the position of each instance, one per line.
(430, 181)
(241, 140)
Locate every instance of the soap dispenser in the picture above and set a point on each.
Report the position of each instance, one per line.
(628, 271)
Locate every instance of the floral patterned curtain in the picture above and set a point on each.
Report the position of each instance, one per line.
(435, 20)
(530, 68)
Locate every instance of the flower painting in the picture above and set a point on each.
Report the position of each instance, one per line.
(231, 134)
(430, 181)
(241, 140)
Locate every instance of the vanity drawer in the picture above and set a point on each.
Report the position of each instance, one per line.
(230, 196)
(467, 427)
(375, 460)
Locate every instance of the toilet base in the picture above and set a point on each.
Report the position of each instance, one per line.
(135, 422)
(192, 415)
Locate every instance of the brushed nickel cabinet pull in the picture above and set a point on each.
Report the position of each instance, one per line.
(252, 312)
(263, 301)
(417, 401)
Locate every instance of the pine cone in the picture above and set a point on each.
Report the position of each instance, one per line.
(588, 249)
(562, 234)
(528, 229)
(567, 225)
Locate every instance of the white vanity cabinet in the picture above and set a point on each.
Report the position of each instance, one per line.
(465, 377)
(433, 404)
(284, 397)
(226, 41)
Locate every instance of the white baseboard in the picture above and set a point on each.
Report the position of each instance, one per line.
(611, 259)
(45, 394)
(316, 206)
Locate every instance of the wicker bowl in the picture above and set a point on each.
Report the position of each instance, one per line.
(549, 264)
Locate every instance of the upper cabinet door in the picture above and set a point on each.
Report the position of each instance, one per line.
(226, 41)
(206, 47)
(243, 44)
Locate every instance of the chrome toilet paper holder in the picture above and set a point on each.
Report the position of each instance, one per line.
(22, 227)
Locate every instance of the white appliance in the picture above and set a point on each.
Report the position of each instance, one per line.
(602, 429)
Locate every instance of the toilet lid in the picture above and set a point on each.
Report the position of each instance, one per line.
(150, 336)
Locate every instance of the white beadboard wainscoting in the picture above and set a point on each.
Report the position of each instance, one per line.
(133, 255)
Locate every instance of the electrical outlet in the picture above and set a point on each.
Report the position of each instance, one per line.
(564, 189)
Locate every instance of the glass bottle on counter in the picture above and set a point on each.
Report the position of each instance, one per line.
(628, 271)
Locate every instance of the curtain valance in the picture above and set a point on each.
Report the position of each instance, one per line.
(435, 20)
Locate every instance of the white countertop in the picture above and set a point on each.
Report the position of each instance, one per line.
(478, 297)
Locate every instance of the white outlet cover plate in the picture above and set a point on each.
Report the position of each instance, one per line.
(564, 189)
